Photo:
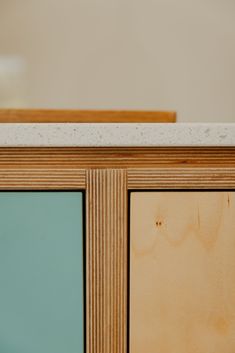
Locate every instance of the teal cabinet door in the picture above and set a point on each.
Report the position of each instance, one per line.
(41, 272)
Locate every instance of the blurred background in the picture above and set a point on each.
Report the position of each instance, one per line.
(115, 54)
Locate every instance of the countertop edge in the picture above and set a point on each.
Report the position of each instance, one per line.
(116, 134)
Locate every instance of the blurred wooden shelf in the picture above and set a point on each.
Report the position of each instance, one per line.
(85, 116)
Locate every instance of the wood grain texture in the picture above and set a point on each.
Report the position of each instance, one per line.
(85, 116)
(182, 278)
(106, 174)
(106, 261)
(123, 157)
(42, 179)
(181, 178)
(147, 168)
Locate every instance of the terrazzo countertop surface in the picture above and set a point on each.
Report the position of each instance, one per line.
(113, 134)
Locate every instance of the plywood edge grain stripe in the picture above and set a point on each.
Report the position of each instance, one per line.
(217, 178)
(42, 179)
(85, 116)
(116, 158)
(106, 261)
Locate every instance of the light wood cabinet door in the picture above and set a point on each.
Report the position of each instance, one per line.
(182, 272)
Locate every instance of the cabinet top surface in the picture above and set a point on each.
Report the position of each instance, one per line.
(116, 134)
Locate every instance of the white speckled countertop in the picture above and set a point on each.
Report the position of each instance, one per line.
(125, 134)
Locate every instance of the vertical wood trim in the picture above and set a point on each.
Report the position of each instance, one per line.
(106, 276)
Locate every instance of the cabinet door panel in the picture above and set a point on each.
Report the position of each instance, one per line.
(182, 272)
(41, 272)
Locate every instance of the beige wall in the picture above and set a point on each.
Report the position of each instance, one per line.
(142, 54)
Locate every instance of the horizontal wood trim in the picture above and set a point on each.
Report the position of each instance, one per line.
(181, 178)
(65, 168)
(122, 157)
(85, 116)
(38, 179)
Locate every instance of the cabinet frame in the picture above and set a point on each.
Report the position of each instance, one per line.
(107, 175)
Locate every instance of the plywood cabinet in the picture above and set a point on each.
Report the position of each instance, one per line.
(157, 263)
(182, 272)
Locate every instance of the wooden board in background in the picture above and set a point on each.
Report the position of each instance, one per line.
(182, 272)
(85, 116)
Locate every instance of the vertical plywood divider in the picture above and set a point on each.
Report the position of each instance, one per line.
(106, 279)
